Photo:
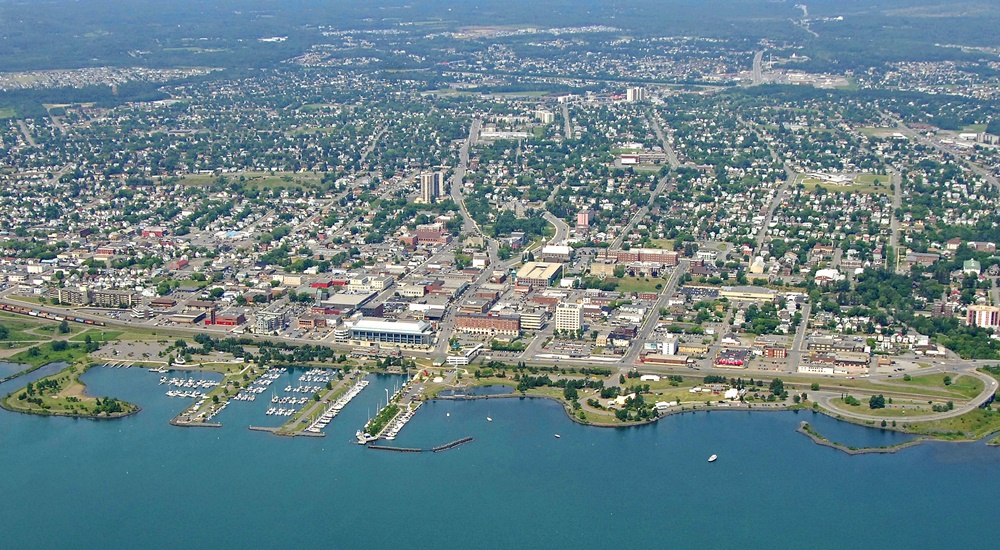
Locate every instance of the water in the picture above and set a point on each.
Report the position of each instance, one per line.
(7, 369)
(140, 482)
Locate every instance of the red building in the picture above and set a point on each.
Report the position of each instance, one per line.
(476, 323)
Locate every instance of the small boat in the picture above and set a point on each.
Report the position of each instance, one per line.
(488, 419)
(447, 414)
(558, 436)
(713, 458)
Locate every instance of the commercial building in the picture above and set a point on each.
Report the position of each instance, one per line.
(658, 255)
(538, 273)
(475, 323)
(556, 253)
(533, 320)
(369, 331)
(269, 321)
(569, 316)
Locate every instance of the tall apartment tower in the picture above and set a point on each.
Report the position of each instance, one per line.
(635, 94)
(430, 186)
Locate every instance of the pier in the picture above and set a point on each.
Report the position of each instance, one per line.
(312, 418)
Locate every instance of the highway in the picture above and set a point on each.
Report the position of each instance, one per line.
(562, 229)
(758, 71)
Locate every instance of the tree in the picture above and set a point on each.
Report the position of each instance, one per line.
(570, 393)
(777, 387)
(63, 327)
(59, 345)
(876, 402)
(621, 378)
(4, 332)
(814, 386)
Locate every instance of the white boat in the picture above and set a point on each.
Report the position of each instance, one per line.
(488, 419)
(713, 458)
(558, 436)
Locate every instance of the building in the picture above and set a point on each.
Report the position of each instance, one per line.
(556, 253)
(370, 331)
(545, 117)
(430, 187)
(154, 231)
(569, 316)
(112, 298)
(229, 319)
(269, 321)
(533, 320)
(634, 94)
(583, 218)
(983, 316)
(70, 296)
(432, 233)
(657, 255)
(538, 273)
(476, 323)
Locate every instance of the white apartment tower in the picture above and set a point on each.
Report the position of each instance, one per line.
(430, 186)
(635, 94)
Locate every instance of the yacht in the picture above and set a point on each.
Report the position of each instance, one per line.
(713, 458)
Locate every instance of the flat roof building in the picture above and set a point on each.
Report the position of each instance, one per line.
(370, 331)
(538, 273)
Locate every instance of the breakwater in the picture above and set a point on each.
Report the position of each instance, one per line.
(437, 449)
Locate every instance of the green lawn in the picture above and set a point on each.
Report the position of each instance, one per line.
(638, 284)
(44, 354)
(97, 335)
(7, 112)
(961, 386)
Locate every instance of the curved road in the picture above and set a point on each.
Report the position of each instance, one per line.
(825, 400)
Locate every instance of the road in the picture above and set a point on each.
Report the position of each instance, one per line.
(562, 229)
(897, 202)
(660, 185)
(371, 146)
(654, 314)
(27, 133)
(825, 399)
(469, 225)
(775, 201)
(795, 354)
(664, 142)
(568, 124)
(912, 134)
(758, 71)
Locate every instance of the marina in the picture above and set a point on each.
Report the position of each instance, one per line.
(317, 425)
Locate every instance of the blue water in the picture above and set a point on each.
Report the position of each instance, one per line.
(7, 369)
(138, 482)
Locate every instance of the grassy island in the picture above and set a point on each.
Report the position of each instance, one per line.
(63, 394)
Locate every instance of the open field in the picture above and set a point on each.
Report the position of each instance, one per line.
(638, 284)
